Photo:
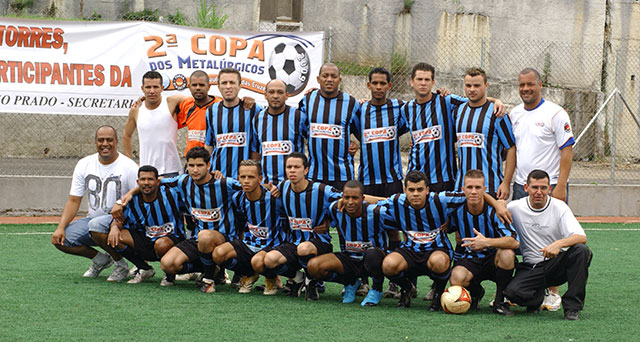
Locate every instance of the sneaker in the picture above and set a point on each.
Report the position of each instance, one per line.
(142, 275)
(188, 276)
(246, 283)
(435, 303)
(120, 272)
(392, 291)
(287, 286)
(208, 286)
(571, 315)
(430, 294)
(406, 295)
(222, 278)
(503, 309)
(363, 289)
(476, 298)
(320, 286)
(311, 293)
(350, 291)
(95, 269)
(133, 271)
(270, 287)
(552, 302)
(165, 281)
(236, 281)
(372, 299)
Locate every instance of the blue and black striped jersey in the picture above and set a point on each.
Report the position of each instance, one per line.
(263, 221)
(307, 209)
(229, 132)
(481, 138)
(356, 234)
(158, 218)
(433, 136)
(330, 124)
(275, 137)
(209, 203)
(422, 227)
(380, 128)
(487, 223)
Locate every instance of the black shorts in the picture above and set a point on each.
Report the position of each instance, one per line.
(143, 246)
(417, 261)
(442, 186)
(384, 189)
(321, 246)
(244, 255)
(290, 252)
(353, 268)
(339, 185)
(190, 249)
(481, 268)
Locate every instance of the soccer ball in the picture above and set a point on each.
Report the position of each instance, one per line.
(455, 300)
(290, 63)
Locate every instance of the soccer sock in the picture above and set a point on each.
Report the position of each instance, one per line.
(187, 267)
(503, 278)
(401, 280)
(304, 259)
(131, 255)
(440, 281)
(101, 258)
(230, 264)
(170, 277)
(208, 265)
(393, 245)
(376, 283)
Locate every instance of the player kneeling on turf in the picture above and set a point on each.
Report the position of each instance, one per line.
(362, 244)
(488, 244)
(261, 216)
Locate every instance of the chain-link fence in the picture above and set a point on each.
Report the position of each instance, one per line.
(578, 77)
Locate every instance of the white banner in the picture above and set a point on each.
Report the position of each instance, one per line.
(90, 68)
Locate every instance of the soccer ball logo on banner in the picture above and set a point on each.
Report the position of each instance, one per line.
(290, 63)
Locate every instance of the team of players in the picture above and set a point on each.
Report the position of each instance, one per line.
(257, 228)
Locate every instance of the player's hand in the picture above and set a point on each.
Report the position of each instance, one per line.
(477, 243)
(309, 91)
(363, 100)
(560, 192)
(58, 237)
(137, 103)
(504, 215)
(503, 191)
(353, 148)
(114, 237)
(551, 251)
(340, 205)
(217, 175)
(321, 229)
(116, 212)
(443, 91)
(248, 102)
(275, 192)
(499, 109)
(458, 238)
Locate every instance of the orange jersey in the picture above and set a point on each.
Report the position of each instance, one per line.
(195, 119)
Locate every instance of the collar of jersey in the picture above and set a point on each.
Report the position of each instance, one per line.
(543, 208)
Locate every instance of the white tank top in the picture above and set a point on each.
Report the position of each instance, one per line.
(158, 133)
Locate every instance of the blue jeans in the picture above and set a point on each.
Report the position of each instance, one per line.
(518, 191)
(77, 232)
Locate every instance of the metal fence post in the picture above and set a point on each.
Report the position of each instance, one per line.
(483, 52)
(329, 43)
(612, 170)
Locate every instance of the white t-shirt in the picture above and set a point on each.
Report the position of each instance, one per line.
(104, 184)
(538, 228)
(540, 133)
(157, 134)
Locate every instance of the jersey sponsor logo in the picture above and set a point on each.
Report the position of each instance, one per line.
(257, 231)
(382, 134)
(539, 124)
(471, 140)
(325, 131)
(207, 215)
(423, 237)
(197, 135)
(357, 246)
(276, 148)
(567, 127)
(303, 224)
(154, 232)
(427, 135)
(232, 139)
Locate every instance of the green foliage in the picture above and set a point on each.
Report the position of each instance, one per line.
(177, 19)
(144, 15)
(352, 68)
(546, 70)
(407, 5)
(93, 17)
(399, 63)
(51, 12)
(19, 6)
(207, 18)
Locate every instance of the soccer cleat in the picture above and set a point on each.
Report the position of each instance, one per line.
(95, 269)
(320, 286)
(246, 283)
(188, 276)
(392, 291)
(141, 276)
(430, 294)
(295, 288)
(208, 286)
(372, 299)
(503, 309)
(571, 315)
(287, 286)
(166, 282)
(435, 303)
(311, 293)
(552, 302)
(363, 289)
(476, 298)
(406, 295)
(270, 287)
(120, 272)
(133, 271)
(349, 295)
(222, 278)
(236, 281)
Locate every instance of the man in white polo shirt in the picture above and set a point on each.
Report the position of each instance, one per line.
(553, 249)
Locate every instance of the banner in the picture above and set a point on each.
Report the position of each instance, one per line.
(96, 68)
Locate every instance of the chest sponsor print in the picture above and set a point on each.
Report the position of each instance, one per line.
(325, 131)
(427, 135)
(471, 140)
(232, 139)
(159, 231)
(275, 148)
(207, 215)
(303, 224)
(197, 135)
(382, 134)
(423, 237)
(357, 246)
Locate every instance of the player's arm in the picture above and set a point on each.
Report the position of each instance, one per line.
(501, 208)
(499, 109)
(68, 213)
(129, 127)
(173, 102)
(322, 227)
(114, 237)
(480, 242)
(566, 158)
(248, 102)
(552, 250)
(509, 169)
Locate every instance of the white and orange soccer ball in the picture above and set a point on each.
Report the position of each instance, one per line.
(455, 300)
